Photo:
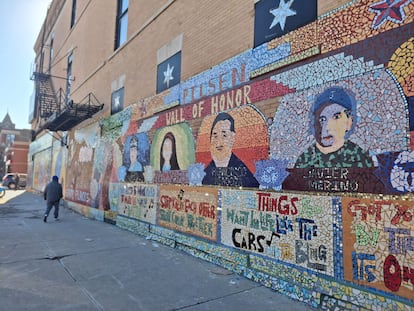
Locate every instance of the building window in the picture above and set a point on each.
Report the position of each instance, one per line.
(51, 51)
(69, 77)
(121, 23)
(73, 16)
(117, 101)
(10, 139)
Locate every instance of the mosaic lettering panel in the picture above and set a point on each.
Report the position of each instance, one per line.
(379, 244)
(189, 210)
(293, 228)
(138, 201)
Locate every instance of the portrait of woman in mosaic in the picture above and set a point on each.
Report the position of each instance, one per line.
(172, 151)
(168, 153)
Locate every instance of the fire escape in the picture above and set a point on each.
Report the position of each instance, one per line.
(55, 111)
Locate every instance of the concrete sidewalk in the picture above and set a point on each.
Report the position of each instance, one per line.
(81, 264)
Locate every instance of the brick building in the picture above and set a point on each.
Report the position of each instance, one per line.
(14, 147)
(270, 137)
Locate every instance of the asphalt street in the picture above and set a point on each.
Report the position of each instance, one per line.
(81, 264)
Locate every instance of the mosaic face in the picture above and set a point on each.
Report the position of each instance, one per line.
(332, 123)
(167, 149)
(168, 156)
(133, 153)
(222, 140)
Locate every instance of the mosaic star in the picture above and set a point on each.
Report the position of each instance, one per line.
(281, 13)
(391, 10)
(117, 102)
(168, 75)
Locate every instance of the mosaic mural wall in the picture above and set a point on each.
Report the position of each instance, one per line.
(82, 186)
(48, 159)
(41, 172)
(283, 152)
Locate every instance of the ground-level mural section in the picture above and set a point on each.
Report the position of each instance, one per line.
(189, 210)
(139, 201)
(293, 228)
(379, 243)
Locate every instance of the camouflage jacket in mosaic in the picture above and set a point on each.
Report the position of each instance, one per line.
(349, 155)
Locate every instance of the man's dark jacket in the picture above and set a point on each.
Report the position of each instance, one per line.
(53, 192)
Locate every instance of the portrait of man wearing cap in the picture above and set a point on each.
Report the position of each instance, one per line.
(333, 118)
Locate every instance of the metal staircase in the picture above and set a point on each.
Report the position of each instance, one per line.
(46, 99)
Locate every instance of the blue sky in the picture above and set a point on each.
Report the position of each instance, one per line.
(20, 24)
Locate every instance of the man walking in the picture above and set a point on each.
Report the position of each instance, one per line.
(53, 194)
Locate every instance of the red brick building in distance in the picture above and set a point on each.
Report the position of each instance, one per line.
(14, 147)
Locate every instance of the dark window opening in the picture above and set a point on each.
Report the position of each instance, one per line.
(69, 78)
(121, 23)
(51, 52)
(73, 16)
